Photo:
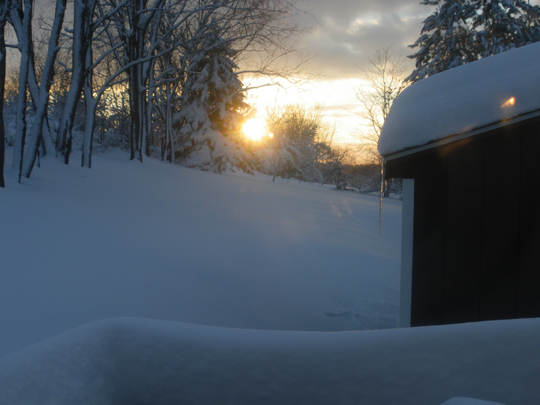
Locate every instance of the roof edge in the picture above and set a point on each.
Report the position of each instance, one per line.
(464, 135)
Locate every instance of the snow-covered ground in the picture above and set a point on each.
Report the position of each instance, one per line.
(159, 241)
(146, 283)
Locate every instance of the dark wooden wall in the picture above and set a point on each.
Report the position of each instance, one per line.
(476, 249)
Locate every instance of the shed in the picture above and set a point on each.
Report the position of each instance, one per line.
(467, 144)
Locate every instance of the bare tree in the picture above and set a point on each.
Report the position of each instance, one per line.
(43, 99)
(301, 142)
(385, 81)
(19, 24)
(21, 18)
(4, 10)
(82, 33)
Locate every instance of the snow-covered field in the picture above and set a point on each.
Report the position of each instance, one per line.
(164, 242)
(257, 278)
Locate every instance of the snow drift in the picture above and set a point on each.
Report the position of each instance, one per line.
(121, 361)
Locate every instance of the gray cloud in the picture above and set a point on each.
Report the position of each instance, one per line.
(346, 32)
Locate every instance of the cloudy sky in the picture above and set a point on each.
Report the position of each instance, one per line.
(344, 35)
(346, 32)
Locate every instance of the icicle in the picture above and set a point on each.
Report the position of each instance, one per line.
(381, 196)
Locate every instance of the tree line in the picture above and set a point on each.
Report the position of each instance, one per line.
(169, 67)
(162, 78)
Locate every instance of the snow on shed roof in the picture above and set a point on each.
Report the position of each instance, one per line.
(463, 99)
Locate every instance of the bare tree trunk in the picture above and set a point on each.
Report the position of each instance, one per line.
(80, 44)
(139, 17)
(169, 127)
(133, 74)
(150, 83)
(43, 100)
(141, 98)
(3, 18)
(149, 108)
(91, 105)
(17, 23)
(26, 52)
(46, 137)
(135, 112)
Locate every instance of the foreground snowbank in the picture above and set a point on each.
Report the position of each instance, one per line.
(469, 401)
(129, 360)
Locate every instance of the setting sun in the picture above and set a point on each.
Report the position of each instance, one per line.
(254, 129)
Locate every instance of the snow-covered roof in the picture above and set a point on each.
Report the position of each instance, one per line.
(464, 99)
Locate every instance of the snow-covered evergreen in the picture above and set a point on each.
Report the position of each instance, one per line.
(506, 24)
(462, 31)
(211, 110)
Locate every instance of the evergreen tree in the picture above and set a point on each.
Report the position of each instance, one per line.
(462, 31)
(212, 108)
(446, 40)
(505, 24)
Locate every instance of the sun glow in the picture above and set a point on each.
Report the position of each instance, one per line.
(509, 103)
(254, 129)
(337, 97)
